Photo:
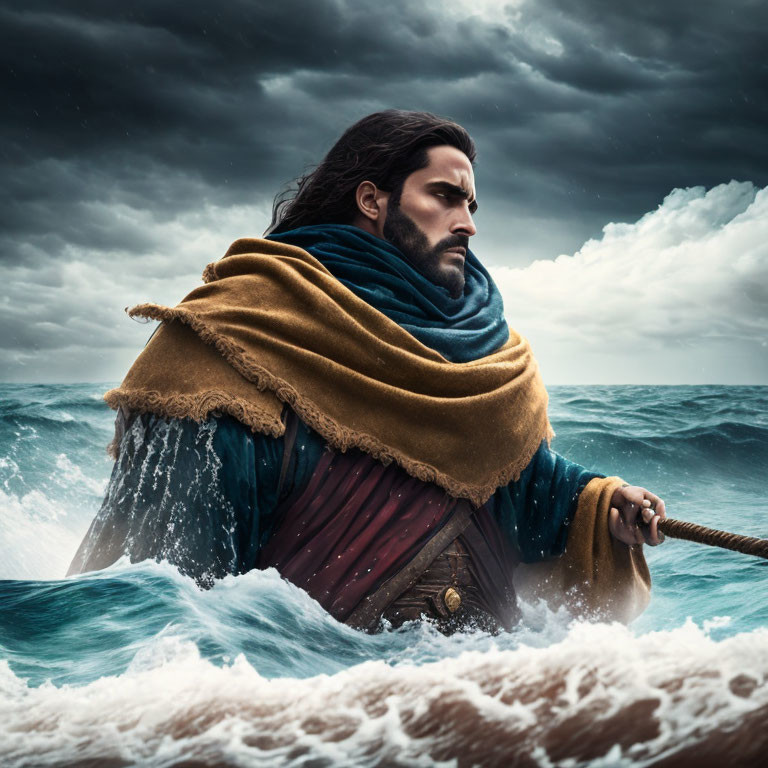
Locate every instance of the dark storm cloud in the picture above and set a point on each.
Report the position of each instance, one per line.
(144, 103)
(186, 88)
(120, 119)
(147, 102)
(681, 87)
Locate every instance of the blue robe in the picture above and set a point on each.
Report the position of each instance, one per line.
(203, 497)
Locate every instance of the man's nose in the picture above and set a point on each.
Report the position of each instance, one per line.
(464, 224)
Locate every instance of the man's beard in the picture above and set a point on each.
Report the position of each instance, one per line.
(406, 236)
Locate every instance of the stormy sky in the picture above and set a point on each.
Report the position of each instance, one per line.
(622, 167)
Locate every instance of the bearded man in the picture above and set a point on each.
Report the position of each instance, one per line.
(344, 401)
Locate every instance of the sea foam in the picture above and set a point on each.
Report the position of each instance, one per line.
(599, 696)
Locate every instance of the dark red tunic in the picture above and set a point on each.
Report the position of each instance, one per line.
(357, 522)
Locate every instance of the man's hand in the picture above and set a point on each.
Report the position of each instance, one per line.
(631, 506)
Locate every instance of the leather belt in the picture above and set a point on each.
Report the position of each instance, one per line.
(437, 584)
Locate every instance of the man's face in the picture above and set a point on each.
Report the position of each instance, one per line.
(431, 223)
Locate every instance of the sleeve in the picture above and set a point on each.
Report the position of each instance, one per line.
(198, 495)
(535, 511)
(596, 577)
(556, 516)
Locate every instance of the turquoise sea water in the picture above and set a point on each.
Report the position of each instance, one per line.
(136, 665)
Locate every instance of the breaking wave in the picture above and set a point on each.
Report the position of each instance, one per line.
(136, 665)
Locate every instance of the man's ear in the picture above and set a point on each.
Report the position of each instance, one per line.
(371, 201)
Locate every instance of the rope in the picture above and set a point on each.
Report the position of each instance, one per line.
(747, 545)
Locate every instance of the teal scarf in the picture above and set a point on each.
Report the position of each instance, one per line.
(463, 329)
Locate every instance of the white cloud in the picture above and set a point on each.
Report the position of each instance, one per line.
(64, 318)
(680, 296)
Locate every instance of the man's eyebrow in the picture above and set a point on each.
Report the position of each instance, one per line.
(454, 189)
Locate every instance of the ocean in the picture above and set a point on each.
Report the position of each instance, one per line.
(135, 665)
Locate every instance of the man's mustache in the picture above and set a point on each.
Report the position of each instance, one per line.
(454, 241)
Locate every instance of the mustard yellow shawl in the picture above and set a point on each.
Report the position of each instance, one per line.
(271, 326)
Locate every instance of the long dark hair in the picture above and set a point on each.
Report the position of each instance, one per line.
(385, 148)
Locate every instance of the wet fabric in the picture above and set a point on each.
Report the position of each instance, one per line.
(478, 567)
(355, 524)
(597, 576)
(466, 328)
(203, 497)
